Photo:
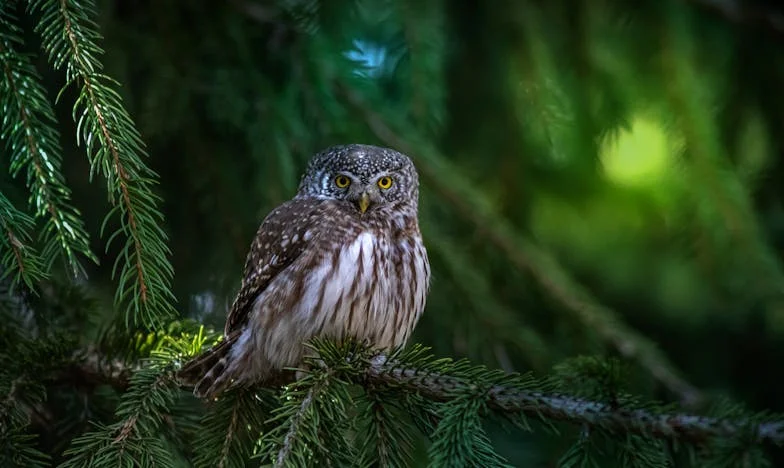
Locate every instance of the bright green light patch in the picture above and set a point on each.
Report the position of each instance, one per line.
(638, 155)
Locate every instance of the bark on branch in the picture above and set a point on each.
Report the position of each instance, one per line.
(553, 407)
(579, 411)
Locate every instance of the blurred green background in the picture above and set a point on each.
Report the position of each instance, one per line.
(600, 177)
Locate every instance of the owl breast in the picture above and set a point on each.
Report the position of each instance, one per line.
(372, 288)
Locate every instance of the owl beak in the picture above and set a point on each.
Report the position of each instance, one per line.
(363, 202)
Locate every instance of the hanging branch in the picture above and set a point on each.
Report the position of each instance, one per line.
(18, 259)
(29, 129)
(527, 256)
(114, 148)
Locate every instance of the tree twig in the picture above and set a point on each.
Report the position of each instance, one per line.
(288, 441)
(575, 410)
(382, 372)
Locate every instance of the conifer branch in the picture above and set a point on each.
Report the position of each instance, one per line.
(70, 37)
(230, 434)
(571, 409)
(295, 421)
(19, 260)
(444, 380)
(525, 255)
(32, 139)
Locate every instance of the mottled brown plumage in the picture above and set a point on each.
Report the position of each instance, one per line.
(343, 258)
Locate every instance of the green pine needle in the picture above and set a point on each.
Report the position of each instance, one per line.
(229, 430)
(19, 260)
(135, 439)
(387, 437)
(33, 143)
(115, 149)
(460, 438)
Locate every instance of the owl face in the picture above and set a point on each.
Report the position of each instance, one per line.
(369, 177)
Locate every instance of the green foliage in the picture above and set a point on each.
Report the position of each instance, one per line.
(33, 142)
(18, 259)
(310, 425)
(600, 200)
(115, 149)
(136, 438)
(386, 433)
(228, 433)
(459, 439)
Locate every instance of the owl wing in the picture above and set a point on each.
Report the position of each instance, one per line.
(282, 237)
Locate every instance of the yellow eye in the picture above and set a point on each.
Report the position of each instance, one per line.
(342, 181)
(385, 182)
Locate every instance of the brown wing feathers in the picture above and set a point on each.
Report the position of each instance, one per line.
(279, 241)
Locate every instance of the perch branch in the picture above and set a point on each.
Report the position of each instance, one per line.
(575, 410)
(509, 399)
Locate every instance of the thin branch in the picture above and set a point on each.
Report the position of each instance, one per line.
(542, 266)
(108, 139)
(380, 372)
(575, 410)
(33, 142)
(288, 441)
(226, 448)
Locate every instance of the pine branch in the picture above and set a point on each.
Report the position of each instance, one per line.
(460, 439)
(578, 411)
(310, 424)
(415, 373)
(115, 148)
(294, 427)
(545, 269)
(19, 260)
(229, 429)
(134, 440)
(32, 140)
(387, 435)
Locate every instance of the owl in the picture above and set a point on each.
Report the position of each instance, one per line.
(342, 259)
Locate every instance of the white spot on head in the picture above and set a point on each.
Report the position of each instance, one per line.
(307, 236)
(295, 239)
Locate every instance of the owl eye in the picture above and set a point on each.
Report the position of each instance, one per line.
(342, 181)
(385, 182)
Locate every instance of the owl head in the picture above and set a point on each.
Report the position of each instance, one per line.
(369, 177)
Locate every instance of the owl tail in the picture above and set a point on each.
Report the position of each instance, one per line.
(209, 370)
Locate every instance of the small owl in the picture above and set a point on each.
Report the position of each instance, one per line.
(343, 258)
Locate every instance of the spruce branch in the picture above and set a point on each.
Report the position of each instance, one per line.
(310, 423)
(230, 429)
(19, 260)
(29, 129)
(387, 435)
(294, 427)
(544, 268)
(133, 440)
(414, 373)
(575, 410)
(114, 148)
